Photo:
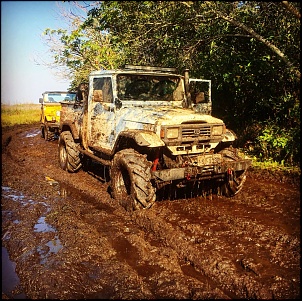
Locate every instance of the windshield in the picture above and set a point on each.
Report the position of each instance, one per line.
(149, 87)
(59, 97)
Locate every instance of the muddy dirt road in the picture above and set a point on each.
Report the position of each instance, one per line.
(67, 238)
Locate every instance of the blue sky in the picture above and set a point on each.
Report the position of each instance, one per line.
(22, 24)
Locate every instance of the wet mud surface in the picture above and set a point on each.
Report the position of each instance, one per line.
(64, 237)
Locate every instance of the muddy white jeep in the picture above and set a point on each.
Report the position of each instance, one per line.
(152, 128)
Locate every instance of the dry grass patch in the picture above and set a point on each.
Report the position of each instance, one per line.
(20, 114)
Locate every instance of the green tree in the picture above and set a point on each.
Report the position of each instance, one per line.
(82, 48)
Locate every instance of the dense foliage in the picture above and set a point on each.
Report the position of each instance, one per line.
(250, 50)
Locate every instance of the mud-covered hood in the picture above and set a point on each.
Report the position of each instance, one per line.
(165, 115)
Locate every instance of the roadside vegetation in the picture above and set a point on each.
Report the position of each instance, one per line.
(20, 114)
(269, 165)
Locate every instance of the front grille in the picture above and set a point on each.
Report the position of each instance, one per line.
(196, 131)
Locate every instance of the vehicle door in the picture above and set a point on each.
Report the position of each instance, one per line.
(101, 121)
(200, 90)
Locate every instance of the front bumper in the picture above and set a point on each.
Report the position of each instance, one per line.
(51, 125)
(201, 172)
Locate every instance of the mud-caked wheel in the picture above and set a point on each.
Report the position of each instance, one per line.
(47, 134)
(69, 154)
(131, 180)
(234, 180)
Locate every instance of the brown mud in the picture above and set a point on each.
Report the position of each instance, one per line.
(64, 237)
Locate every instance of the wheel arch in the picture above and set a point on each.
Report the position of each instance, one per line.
(137, 139)
(70, 126)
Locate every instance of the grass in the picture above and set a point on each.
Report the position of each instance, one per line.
(274, 166)
(20, 114)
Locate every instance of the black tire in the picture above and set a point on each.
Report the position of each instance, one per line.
(48, 134)
(131, 180)
(234, 179)
(42, 132)
(69, 154)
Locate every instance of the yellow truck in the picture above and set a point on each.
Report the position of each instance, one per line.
(50, 112)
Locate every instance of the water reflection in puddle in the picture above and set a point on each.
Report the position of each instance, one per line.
(8, 193)
(42, 226)
(10, 280)
(64, 191)
(44, 249)
(52, 247)
(5, 188)
(32, 133)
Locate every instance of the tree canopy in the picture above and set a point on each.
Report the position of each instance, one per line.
(250, 50)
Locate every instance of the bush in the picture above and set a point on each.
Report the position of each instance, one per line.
(278, 144)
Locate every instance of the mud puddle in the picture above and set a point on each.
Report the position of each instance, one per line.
(32, 133)
(10, 280)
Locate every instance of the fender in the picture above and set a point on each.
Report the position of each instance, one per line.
(142, 138)
(70, 125)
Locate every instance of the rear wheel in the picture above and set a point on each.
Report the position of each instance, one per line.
(234, 179)
(69, 155)
(131, 180)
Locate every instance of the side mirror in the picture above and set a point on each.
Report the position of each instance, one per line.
(40, 100)
(118, 103)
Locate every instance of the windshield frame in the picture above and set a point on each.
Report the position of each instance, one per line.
(163, 88)
(58, 97)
